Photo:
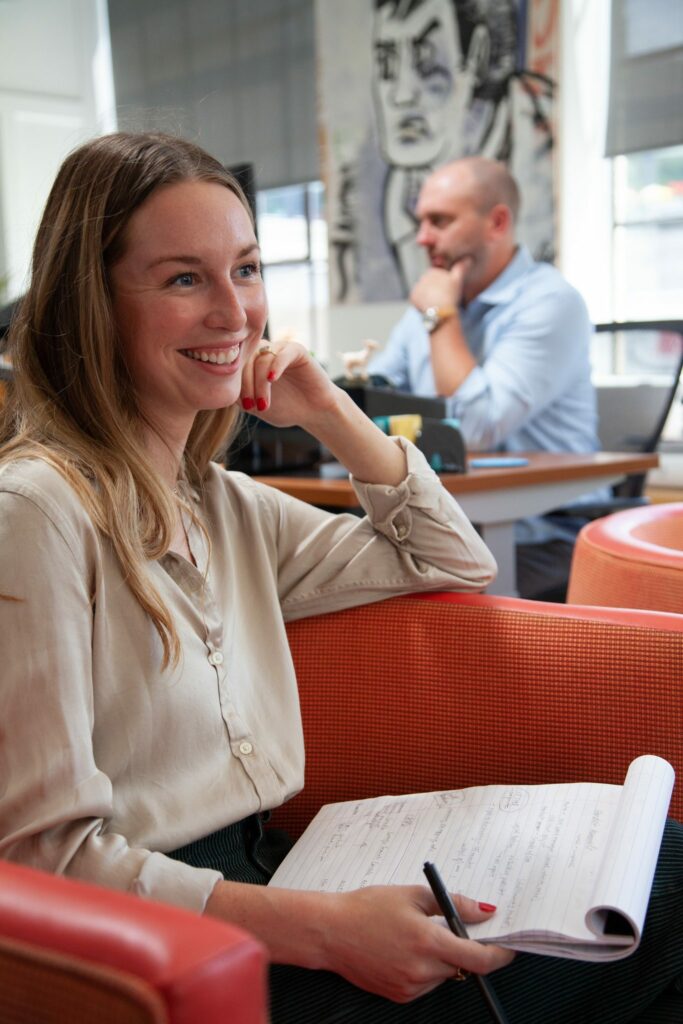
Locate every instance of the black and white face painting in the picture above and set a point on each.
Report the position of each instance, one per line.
(418, 63)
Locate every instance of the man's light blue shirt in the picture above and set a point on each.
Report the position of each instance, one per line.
(530, 334)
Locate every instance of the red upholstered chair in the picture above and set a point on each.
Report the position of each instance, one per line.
(632, 559)
(72, 953)
(444, 691)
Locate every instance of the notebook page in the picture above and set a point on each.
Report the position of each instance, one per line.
(537, 852)
(533, 851)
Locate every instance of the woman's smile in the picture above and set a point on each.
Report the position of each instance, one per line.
(223, 357)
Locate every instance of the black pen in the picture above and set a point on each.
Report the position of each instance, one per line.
(455, 923)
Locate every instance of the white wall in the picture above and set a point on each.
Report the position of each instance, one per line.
(56, 90)
(585, 183)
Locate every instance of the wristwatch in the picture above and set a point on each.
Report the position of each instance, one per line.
(434, 316)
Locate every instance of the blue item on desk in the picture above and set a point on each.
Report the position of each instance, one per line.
(498, 462)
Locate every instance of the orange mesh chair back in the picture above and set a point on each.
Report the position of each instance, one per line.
(632, 559)
(72, 953)
(446, 691)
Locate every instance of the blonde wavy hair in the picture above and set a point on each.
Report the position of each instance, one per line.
(72, 402)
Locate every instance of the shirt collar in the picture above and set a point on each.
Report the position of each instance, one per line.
(504, 287)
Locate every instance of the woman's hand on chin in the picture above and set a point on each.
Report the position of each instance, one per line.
(285, 386)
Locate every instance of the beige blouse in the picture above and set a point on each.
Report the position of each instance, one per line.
(106, 761)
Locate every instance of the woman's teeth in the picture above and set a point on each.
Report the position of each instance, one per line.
(219, 357)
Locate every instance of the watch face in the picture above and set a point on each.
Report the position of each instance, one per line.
(430, 319)
(433, 316)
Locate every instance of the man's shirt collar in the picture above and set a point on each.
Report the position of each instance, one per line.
(504, 287)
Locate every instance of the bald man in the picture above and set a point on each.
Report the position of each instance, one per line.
(504, 339)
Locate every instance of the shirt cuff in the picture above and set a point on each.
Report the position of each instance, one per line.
(170, 881)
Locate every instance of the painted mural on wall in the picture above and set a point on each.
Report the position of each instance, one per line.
(407, 85)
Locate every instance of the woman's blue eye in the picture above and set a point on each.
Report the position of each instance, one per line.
(250, 270)
(185, 279)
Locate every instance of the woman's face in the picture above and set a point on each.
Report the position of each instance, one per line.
(189, 302)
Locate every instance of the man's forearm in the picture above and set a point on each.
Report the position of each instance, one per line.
(452, 360)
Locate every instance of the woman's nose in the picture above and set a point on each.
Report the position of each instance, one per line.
(226, 311)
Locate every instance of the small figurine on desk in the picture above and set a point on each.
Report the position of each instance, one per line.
(356, 363)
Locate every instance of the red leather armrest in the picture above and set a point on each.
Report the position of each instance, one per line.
(205, 971)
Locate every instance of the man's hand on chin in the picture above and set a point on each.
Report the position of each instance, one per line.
(440, 287)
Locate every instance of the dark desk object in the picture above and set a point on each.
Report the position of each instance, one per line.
(380, 400)
(439, 439)
(262, 449)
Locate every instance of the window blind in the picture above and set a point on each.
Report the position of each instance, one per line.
(236, 76)
(646, 76)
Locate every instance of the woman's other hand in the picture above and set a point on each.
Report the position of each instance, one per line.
(387, 940)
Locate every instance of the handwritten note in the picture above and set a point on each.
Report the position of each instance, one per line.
(545, 855)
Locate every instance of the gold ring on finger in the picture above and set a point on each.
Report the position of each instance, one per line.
(460, 975)
(266, 350)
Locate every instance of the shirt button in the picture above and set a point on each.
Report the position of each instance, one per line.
(216, 658)
(246, 748)
(401, 532)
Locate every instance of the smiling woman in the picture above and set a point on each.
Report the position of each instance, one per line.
(150, 707)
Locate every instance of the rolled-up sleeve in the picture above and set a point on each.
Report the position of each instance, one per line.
(415, 537)
(541, 349)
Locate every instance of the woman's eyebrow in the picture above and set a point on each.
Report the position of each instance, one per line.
(194, 261)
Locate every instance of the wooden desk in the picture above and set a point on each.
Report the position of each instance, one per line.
(495, 498)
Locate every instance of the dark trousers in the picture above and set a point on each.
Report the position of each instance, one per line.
(543, 569)
(645, 988)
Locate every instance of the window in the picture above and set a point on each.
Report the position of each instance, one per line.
(647, 244)
(293, 238)
(648, 235)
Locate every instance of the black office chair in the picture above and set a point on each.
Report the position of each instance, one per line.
(632, 416)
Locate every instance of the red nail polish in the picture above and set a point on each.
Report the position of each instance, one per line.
(261, 404)
(247, 403)
(488, 907)
(271, 375)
